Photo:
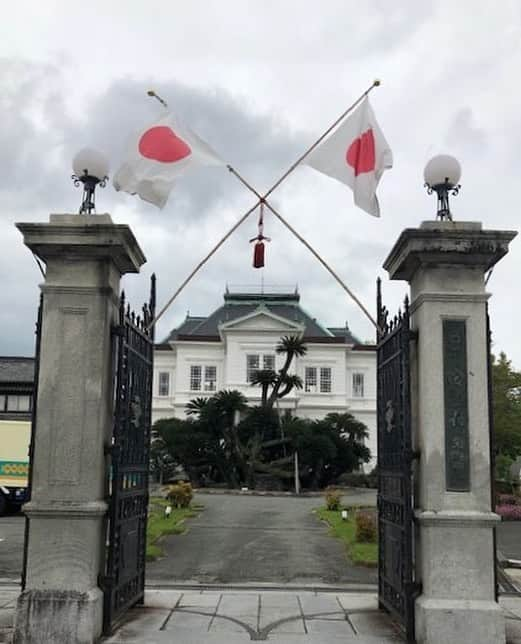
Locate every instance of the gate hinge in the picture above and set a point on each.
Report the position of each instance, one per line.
(413, 335)
(118, 329)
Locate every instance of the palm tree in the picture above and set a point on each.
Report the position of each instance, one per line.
(291, 345)
(265, 378)
(196, 406)
(290, 382)
(216, 418)
(349, 426)
(228, 401)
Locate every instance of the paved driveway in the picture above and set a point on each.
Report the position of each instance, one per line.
(236, 539)
(240, 539)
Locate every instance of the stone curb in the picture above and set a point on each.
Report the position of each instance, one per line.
(344, 490)
(349, 588)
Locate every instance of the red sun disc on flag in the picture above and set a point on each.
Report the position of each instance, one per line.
(360, 154)
(160, 143)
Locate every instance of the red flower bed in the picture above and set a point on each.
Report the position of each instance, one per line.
(509, 512)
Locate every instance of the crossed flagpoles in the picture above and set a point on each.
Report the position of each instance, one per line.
(262, 201)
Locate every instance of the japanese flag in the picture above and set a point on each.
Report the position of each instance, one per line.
(158, 155)
(356, 154)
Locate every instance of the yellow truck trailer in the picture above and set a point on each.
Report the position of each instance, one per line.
(15, 436)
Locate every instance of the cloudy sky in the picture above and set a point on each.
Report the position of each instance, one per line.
(259, 81)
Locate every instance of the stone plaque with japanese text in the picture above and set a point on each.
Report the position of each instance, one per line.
(457, 459)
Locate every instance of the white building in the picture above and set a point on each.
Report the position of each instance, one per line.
(206, 354)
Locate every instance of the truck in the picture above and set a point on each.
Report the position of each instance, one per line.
(15, 436)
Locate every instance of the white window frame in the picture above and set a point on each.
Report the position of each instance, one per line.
(326, 380)
(310, 380)
(268, 361)
(196, 377)
(163, 384)
(251, 368)
(210, 378)
(12, 404)
(358, 384)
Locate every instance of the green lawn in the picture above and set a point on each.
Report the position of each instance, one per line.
(364, 554)
(159, 525)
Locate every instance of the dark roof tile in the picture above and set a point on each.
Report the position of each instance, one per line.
(16, 369)
(239, 305)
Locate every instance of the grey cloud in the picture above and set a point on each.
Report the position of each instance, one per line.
(464, 134)
(40, 139)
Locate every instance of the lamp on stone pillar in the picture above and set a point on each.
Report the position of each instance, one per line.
(444, 263)
(442, 174)
(91, 168)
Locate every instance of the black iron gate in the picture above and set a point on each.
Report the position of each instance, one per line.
(396, 587)
(124, 579)
(38, 336)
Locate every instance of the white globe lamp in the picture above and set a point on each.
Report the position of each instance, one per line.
(91, 169)
(442, 174)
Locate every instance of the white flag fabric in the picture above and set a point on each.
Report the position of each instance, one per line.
(158, 155)
(356, 154)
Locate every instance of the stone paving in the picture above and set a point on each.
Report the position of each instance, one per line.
(249, 615)
(241, 616)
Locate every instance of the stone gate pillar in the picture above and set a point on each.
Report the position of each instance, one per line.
(85, 255)
(444, 263)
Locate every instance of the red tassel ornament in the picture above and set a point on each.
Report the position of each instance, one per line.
(258, 249)
(258, 254)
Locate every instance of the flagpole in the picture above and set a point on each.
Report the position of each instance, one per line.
(262, 200)
(375, 83)
(324, 263)
(202, 263)
(154, 95)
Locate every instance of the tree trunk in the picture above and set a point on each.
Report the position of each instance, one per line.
(282, 374)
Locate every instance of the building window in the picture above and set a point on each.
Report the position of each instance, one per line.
(195, 378)
(210, 378)
(252, 365)
(310, 379)
(325, 380)
(268, 361)
(358, 385)
(15, 403)
(164, 383)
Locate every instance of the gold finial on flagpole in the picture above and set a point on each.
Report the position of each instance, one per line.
(151, 93)
(377, 82)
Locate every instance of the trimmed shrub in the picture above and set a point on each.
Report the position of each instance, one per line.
(504, 487)
(333, 500)
(180, 494)
(365, 522)
(508, 499)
